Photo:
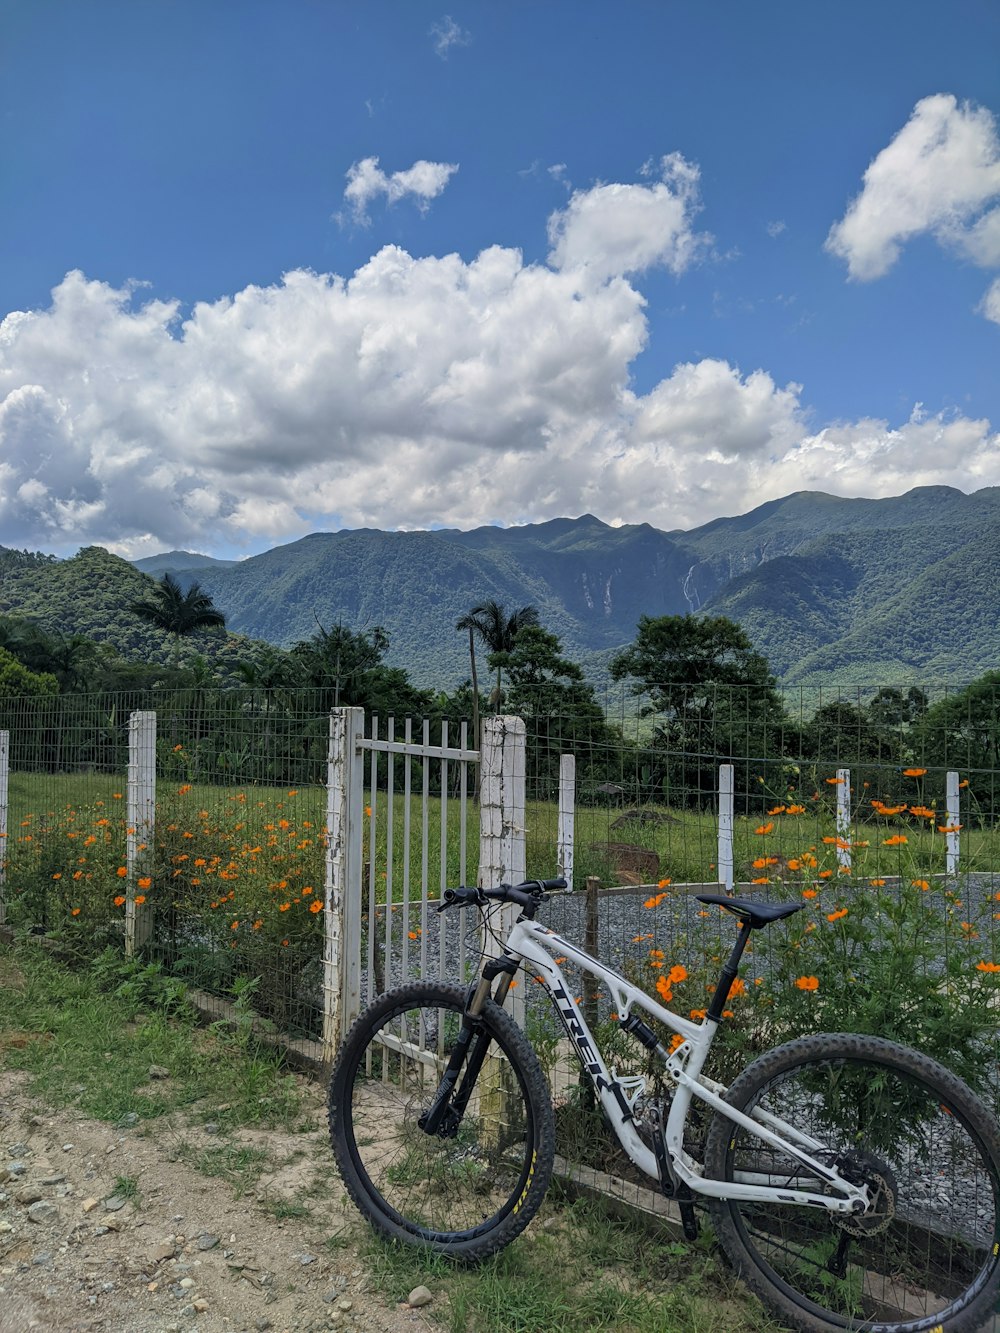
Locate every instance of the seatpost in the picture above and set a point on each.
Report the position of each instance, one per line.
(729, 973)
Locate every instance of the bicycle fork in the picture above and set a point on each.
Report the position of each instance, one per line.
(444, 1115)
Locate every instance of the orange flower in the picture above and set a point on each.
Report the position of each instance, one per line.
(795, 810)
(922, 812)
(677, 974)
(835, 782)
(75, 911)
(739, 987)
(145, 883)
(698, 1013)
(763, 880)
(807, 983)
(778, 810)
(663, 986)
(764, 829)
(284, 907)
(838, 915)
(140, 898)
(896, 840)
(662, 884)
(675, 1041)
(949, 828)
(825, 874)
(988, 967)
(877, 883)
(121, 872)
(920, 884)
(654, 902)
(316, 905)
(794, 864)
(119, 900)
(914, 772)
(810, 893)
(964, 782)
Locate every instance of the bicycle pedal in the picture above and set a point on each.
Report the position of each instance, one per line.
(685, 1206)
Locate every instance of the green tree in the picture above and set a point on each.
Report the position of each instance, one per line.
(497, 630)
(561, 712)
(962, 732)
(713, 696)
(16, 681)
(178, 612)
(348, 668)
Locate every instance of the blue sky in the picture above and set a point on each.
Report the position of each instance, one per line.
(269, 268)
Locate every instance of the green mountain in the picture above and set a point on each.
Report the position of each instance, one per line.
(832, 591)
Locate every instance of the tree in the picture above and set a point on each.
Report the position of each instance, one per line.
(178, 612)
(497, 631)
(713, 695)
(561, 712)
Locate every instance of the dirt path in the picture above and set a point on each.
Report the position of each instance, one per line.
(184, 1255)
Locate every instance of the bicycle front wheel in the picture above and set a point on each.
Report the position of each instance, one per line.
(923, 1256)
(465, 1192)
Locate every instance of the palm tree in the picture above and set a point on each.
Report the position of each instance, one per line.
(177, 612)
(496, 631)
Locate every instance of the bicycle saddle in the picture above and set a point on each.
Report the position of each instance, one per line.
(753, 913)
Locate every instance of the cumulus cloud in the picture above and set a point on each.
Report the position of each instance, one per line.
(940, 176)
(366, 181)
(417, 392)
(625, 229)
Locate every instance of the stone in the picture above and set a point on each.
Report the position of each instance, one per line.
(28, 1194)
(206, 1241)
(43, 1212)
(157, 1071)
(115, 1203)
(89, 1205)
(419, 1296)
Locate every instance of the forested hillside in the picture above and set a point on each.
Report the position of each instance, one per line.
(829, 590)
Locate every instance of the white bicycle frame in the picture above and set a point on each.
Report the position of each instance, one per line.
(537, 944)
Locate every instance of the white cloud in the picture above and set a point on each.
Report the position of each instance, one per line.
(447, 34)
(940, 175)
(623, 229)
(366, 181)
(414, 393)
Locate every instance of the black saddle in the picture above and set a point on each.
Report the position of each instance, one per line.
(754, 914)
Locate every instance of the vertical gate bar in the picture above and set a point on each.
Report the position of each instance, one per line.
(844, 817)
(390, 833)
(443, 876)
(4, 788)
(406, 928)
(425, 732)
(725, 856)
(954, 820)
(141, 817)
(373, 987)
(462, 808)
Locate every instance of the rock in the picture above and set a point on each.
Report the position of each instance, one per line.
(51, 1180)
(89, 1205)
(419, 1296)
(166, 1249)
(157, 1071)
(43, 1212)
(128, 1121)
(344, 1304)
(186, 1283)
(200, 1305)
(115, 1203)
(206, 1241)
(28, 1194)
(211, 1127)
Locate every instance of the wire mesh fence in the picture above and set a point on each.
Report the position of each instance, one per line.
(234, 878)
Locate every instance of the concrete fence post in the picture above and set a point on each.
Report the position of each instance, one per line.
(844, 818)
(725, 854)
(954, 816)
(502, 857)
(567, 810)
(141, 828)
(342, 887)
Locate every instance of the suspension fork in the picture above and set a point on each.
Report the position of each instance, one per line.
(444, 1115)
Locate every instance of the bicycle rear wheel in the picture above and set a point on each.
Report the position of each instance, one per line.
(465, 1193)
(924, 1254)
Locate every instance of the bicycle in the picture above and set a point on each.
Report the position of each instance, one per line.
(853, 1183)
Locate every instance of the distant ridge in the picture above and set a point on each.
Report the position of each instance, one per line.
(833, 591)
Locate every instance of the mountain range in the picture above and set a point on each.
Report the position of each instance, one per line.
(830, 590)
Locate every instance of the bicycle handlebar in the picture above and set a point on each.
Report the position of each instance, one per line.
(527, 895)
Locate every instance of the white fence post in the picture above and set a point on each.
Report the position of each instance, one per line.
(4, 779)
(844, 817)
(725, 857)
(141, 816)
(567, 807)
(342, 889)
(501, 823)
(953, 822)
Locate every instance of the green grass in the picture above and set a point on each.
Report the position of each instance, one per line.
(578, 1269)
